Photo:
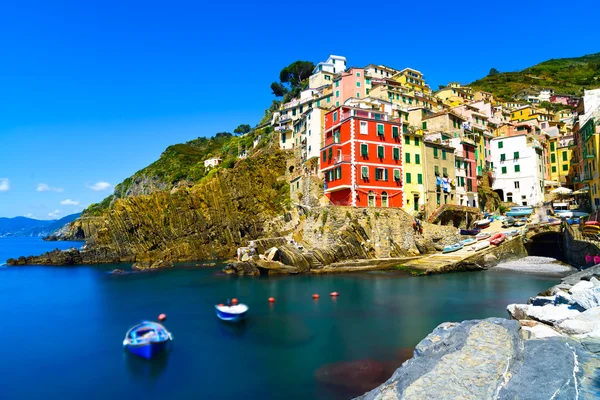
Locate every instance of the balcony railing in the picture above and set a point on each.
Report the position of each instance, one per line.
(343, 158)
(592, 156)
(284, 118)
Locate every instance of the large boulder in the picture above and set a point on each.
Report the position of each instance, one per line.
(548, 314)
(587, 299)
(581, 324)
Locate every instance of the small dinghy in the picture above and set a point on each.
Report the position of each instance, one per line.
(508, 222)
(511, 233)
(470, 232)
(480, 245)
(468, 242)
(497, 239)
(483, 235)
(231, 313)
(519, 223)
(147, 339)
(452, 247)
(482, 223)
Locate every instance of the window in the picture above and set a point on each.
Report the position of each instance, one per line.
(380, 129)
(336, 136)
(552, 158)
(357, 84)
(406, 157)
(381, 174)
(358, 74)
(435, 152)
(330, 153)
(363, 128)
(367, 81)
(364, 150)
(408, 178)
(500, 145)
(516, 155)
(324, 155)
(337, 93)
(445, 172)
(416, 141)
(517, 168)
(329, 99)
(502, 157)
(337, 83)
(395, 132)
(357, 95)
(420, 179)
(553, 168)
(406, 139)
(424, 124)
(516, 184)
(335, 116)
(509, 197)
(565, 167)
(564, 156)
(371, 199)
(552, 146)
(443, 154)
(396, 153)
(364, 172)
(417, 159)
(503, 170)
(436, 170)
(384, 199)
(439, 196)
(380, 152)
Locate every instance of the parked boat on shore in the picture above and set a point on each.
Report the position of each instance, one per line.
(480, 245)
(453, 247)
(483, 223)
(468, 242)
(146, 339)
(511, 232)
(483, 235)
(497, 239)
(470, 232)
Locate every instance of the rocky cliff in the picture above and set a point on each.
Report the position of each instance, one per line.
(207, 220)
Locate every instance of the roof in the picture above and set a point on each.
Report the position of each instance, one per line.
(444, 112)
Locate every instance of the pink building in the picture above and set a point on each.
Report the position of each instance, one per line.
(349, 84)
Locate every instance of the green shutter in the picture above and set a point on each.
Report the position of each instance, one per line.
(408, 178)
(436, 170)
(552, 146)
(406, 139)
(552, 158)
(396, 174)
(380, 152)
(407, 158)
(385, 174)
(420, 179)
(396, 152)
(395, 132)
(516, 155)
(517, 168)
(443, 154)
(502, 157)
(365, 172)
(503, 170)
(435, 152)
(445, 172)
(324, 155)
(338, 173)
(416, 141)
(417, 159)
(364, 150)
(380, 130)
(564, 155)
(565, 167)
(330, 153)
(500, 145)
(554, 168)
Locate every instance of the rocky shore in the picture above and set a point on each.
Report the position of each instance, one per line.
(550, 349)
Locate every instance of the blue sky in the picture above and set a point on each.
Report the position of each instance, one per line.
(91, 92)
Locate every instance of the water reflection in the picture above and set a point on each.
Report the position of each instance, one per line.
(148, 371)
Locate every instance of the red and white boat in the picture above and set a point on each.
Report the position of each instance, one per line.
(497, 238)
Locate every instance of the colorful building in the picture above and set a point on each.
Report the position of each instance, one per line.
(362, 158)
(439, 175)
(349, 84)
(414, 173)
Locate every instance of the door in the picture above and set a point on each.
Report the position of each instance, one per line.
(416, 202)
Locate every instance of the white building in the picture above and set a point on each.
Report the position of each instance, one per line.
(519, 165)
(545, 94)
(212, 162)
(334, 64)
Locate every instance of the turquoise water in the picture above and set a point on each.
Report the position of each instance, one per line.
(63, 327)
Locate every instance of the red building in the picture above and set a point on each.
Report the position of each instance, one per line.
(361, 158)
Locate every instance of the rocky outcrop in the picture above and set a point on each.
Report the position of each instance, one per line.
(144, 266)
(490, 359)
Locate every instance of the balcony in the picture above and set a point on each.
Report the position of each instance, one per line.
(466, 140)
(285, 118)
(586, 177)
(589, 156)
(342, 159)
(282, 128)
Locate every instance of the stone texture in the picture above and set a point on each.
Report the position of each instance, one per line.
(582, 323)
(548, 314)
(587, 298)
(586, 274)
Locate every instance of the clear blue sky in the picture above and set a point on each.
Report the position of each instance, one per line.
(92, 91)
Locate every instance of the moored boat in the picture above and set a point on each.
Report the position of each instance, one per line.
(452, 247)
(470, 232)
(482, 223)
(480, 245)
(231, 313)
(146, 339)
(508, 222)
(483, 235)
(497, 239)
(511, 232)
(519, 223)
(468, 242)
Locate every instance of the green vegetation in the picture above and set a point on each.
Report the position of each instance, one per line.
(564, 75)
(292, 80)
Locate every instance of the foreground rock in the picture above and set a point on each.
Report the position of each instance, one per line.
(489, 359)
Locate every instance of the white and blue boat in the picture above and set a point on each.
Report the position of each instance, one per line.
(521, 211)
(231, 313)
(468, 242)
(453, 247)
(147, 339)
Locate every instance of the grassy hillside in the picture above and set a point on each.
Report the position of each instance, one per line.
(565, 75)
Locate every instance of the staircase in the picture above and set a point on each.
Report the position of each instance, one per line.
(313, 261)
(306, 197)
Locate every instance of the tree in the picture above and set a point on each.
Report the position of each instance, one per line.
(242, 129)
(296, 72)
(493, 71)
(223, 134)
(278, 89)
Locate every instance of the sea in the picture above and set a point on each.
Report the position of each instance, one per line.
(62, 328)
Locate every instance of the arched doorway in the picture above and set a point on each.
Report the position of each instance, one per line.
(509, 197)
(371, 199)
(384, 199)
(500, 193)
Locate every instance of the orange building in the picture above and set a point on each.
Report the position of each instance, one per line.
(361, 158)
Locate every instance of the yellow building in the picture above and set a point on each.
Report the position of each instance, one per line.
(455, 95)
(590, 151)
(393, 91)
(414, 172)
(560, 154)
(412, 80)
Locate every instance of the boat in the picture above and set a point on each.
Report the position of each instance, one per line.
(512, 232)
(453, 247)
(147, 339)
(231, 313)
(480, 245)
(517, 223)
(468, 242)
(508, 222)
(470, 232)
(519, 213)
(592, 223)
(497, 239)
(482, 223)
(483, 235)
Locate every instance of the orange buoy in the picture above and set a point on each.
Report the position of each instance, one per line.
(162, 317)
(234, 301)
(271, 299)
(334, 294)
(221, 305)
(315, 296)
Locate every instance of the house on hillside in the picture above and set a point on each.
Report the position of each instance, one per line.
(212, 162)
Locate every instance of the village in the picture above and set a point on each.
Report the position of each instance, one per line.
(381, 137)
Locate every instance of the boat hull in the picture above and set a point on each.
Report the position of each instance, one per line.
(480, 246)
(231, 314)
(497, 239)
(520, 213)
(147, 350)
(470, 232)
(483, 236)
(452, 248)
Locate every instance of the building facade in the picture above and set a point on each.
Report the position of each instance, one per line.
(362, 158)
(439, 175)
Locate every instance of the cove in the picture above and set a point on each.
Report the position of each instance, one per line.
(63, 328)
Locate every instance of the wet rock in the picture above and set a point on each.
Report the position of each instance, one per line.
(242, 268)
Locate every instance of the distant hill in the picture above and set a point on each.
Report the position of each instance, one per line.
(564, 75)
(23, 226)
